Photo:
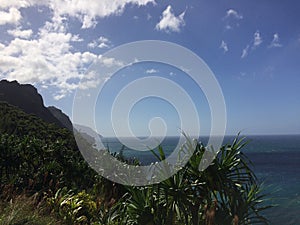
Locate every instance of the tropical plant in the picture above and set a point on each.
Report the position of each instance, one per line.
(227, 192)
(73, 208)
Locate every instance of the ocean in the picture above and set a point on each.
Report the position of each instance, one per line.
(276, 162)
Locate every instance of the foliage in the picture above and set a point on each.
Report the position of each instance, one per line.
(226, 192)
(14, 121)
(73, 208)
(42, 157)
(34, 165)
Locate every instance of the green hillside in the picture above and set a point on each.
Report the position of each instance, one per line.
(36, 155)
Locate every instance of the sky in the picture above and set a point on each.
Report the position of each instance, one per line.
(252, 47)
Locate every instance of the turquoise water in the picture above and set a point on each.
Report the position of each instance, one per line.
(276, 160)
(277, 163)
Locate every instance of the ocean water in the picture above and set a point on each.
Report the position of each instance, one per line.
(276, 162)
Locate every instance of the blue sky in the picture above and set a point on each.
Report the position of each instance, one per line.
(252, 47)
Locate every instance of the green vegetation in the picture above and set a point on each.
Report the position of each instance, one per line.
(44, 180)
(36, 156)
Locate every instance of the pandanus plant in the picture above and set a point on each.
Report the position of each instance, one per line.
(227, 192)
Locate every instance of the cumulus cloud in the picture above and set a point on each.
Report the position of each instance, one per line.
(86, 12)
(233, 14)
(5, 4)
(109, 62)
(76, 38)
(275, 42)
(257, 39)
(101, 42)
(169, 22)
(20, 33)
(224, 46)
(93, 78)
(92, 44)
(88, 22)
(47, 60)
(94, 8)
(12, 16)
(232, 19)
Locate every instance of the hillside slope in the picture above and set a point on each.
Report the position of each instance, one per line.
(26, 97)
(37, 155)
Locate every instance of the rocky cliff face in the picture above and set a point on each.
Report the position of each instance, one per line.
(26, 97)
(63, 118)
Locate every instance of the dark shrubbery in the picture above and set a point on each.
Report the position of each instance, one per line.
(36, 156)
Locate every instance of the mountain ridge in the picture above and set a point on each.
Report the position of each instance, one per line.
(27, 98)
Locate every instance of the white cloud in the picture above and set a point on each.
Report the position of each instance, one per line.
(169, 22)
(86, 12)
(257, 39)
(76, 38)
(84, 85)
(20, 33)
(92, 44)
(58, 23)
(109, 62)
(13, 16)
(232, 19)
(103, 45)
(103, 39)
(90, 81)
(47, 60)
(234, 14)
(224, 46)
(94, 7)
(275, 42)
(101, 42)
(59, 96)
(5, 4)
(104, 42)
(245, 52)
(2, 46)
(150, 71)
(88, 22)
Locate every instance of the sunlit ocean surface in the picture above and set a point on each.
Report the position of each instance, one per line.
(276, 160)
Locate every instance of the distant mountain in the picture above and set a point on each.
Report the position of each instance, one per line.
(90, 135)
(26, 97)
(63, 118)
